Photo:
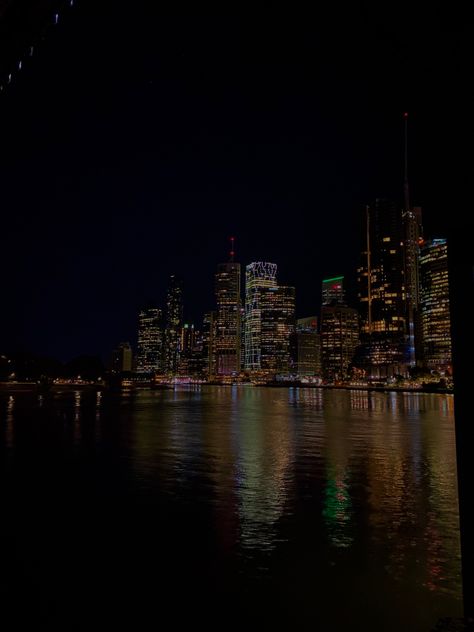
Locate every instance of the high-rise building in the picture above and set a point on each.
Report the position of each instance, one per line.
(150, 340)
(277, 309)
(208, 337)
(411, 249)
(339, 340)
(435, 314)
(173, 324)
(122, 358)
(412, 234)
(382, 292)
(333, 291)
(227, 343)
(258, 275)
(308, 347)
(187, 338)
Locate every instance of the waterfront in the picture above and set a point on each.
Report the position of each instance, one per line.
(311, 508)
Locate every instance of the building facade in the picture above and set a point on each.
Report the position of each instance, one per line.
(382, 292)
(339, 340)
(150, 340)
(173, 325)
(277, 309)
(308, 347)
(122, 358)
(332, 291)
(258, 275)
(227, 342)
(434, 300)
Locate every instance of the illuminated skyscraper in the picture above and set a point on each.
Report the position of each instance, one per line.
(308, 347)
(412, 234)
(333, 291)
(277, 308)
(435, 315)
(173, 324)
(339, 339)
(208, 338)
(258, 275)
(150, 340)
(227, 341)
(382, 294)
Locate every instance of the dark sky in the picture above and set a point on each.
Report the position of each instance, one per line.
(138, 140)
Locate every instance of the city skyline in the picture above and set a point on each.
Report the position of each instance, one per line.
(192, 148)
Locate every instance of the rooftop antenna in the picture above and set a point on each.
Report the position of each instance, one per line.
(406, 189)
(232, 251)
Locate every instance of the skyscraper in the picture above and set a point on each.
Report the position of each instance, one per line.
(150, 340)
(412, 233)
(382, 293)
(277, 308)
(173, 324)
(258, 275)
(435, 314)
(227, 341)
(208, 336)
(339, 340)
(308, 347)
(333, 291)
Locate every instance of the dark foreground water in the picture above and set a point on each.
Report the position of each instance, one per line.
(228, 507)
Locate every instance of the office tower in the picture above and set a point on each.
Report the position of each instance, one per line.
(173, 324)
(333, 291)
(308, 347)
(258, 275)
(150, 340)
(435, 314)
(412, 234)
(227, 344)
(339, 340)
(277, 309)
(187, 338)
(208, 336)
(122, 358)
(381, 281)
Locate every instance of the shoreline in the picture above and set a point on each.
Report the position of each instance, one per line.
(32, 387)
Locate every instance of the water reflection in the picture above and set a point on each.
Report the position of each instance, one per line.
(264, 454)
(328, 495)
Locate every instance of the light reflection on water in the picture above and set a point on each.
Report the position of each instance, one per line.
(310, 490)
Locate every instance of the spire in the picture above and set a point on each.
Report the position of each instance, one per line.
(406, 190)
(232, 252)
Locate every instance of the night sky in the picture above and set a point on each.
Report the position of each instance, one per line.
(137, 141)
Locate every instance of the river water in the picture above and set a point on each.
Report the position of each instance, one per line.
(236, 506)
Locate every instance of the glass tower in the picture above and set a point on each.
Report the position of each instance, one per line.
(258, 275)
(228, 322)
(150, 340)
(435, 316)
(173, 324)
(277, 308)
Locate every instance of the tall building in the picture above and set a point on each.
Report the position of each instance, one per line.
(382, 292)
(339, 340)
(308, 347)
(173, 324)
(277, 308)
(412, 235)
(150, 340)
(208, 338)
(258, 275)
(122, 358)
(333, 291)
(187, 338)
(435, 314)
(227, 343)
